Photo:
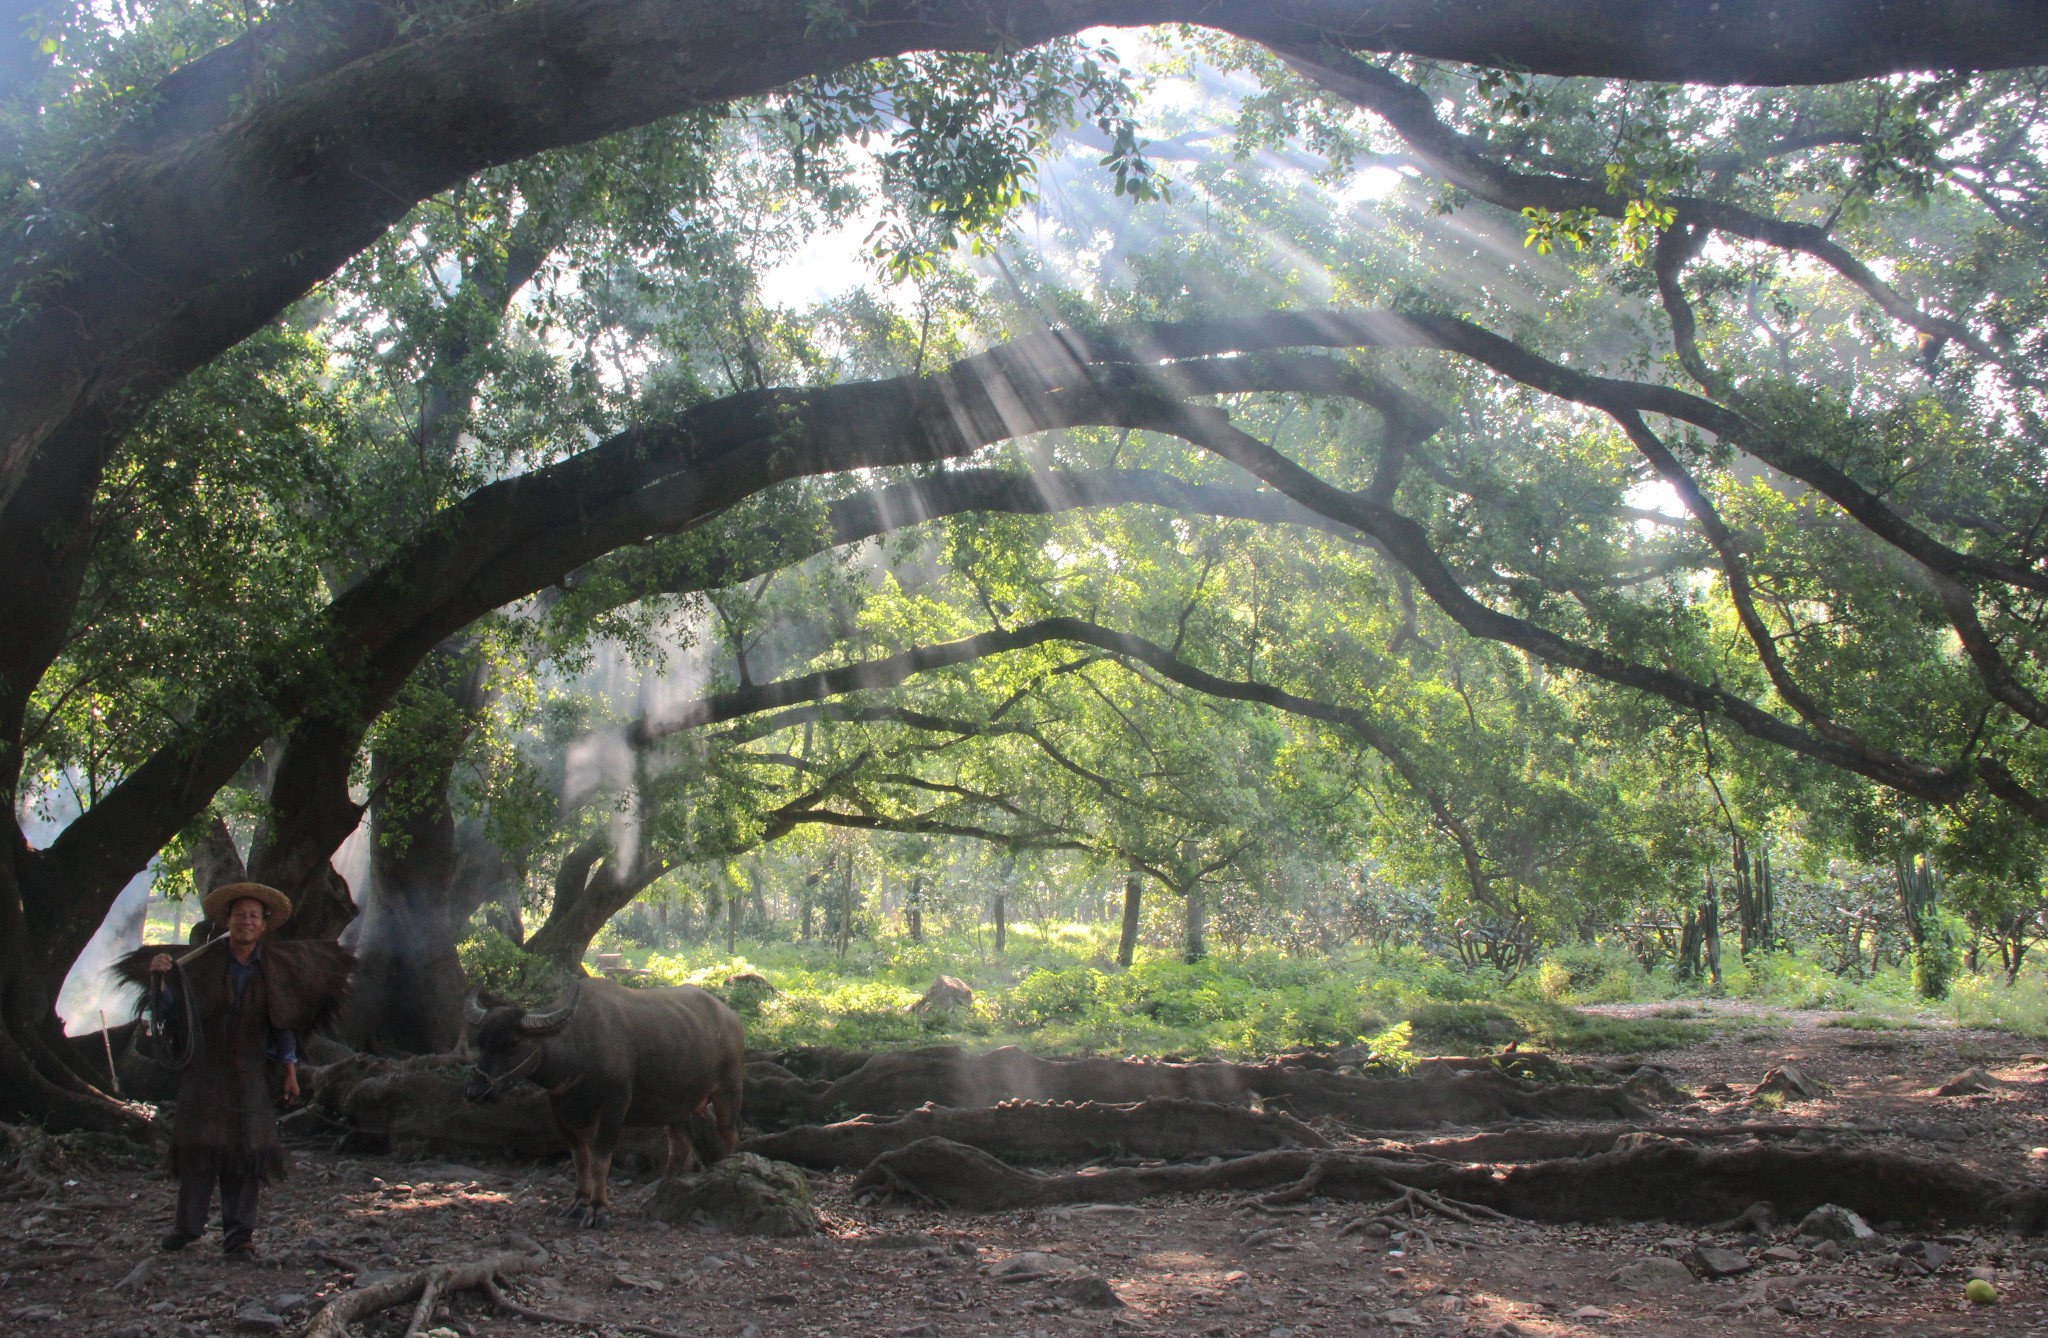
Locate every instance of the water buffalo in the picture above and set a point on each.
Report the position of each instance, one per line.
(610, 1057)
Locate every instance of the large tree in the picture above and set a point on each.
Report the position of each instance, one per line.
(163, 213)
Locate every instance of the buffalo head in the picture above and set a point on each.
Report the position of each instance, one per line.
(508, 1040)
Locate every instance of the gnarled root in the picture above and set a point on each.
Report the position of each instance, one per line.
(1663, 1180)
(429, 1285)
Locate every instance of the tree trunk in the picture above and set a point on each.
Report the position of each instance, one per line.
(913, 909)
(845, 904)
(732, 925)
(810, 906)
(1710, 933)
(215, 861)
(1127, 942)
(588, 894)
(1193, 949)
(39, 1079)
(1001, 927)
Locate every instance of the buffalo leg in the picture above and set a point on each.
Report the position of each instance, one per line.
(726, 1107)
(682, 1152)
(602, 1146)
(578, 1138)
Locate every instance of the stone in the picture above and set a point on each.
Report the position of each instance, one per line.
(1033, 1264)
(1403, 1318)
(1836, 1223)
(1787, 1081)
(1089, 1291)
(290, 1303)
(1969, 1081)
(1922, 1256)
(744, 1194)
(1590, 1312)
(1782, 1254)
(257, 1318)
(1653, 1086)
(1653, 1275)
(746, 991)
(1711, 1262)
(1830, 1252)
(946, 994)
(925, 1330)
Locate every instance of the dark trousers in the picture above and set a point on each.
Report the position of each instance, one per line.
(196, 1178)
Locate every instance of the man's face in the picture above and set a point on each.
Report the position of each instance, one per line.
(246, 921)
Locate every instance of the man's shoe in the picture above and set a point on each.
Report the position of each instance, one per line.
(241, 1252)
(175, 1240)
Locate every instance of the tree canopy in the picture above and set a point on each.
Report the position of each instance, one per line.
(1521, 447)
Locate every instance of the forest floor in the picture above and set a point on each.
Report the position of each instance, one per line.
(1185, 1266)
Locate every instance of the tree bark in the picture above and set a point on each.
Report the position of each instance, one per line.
(590, 888)
(1127, 941)
(1192, 948)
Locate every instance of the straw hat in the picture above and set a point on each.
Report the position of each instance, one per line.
(277, 907)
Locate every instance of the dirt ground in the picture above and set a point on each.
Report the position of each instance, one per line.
(1194, 1265)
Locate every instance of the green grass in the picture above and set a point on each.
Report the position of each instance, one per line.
(1056, 990)
(1059, 992)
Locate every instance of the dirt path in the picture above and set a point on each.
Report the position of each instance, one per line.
(1198, 1265)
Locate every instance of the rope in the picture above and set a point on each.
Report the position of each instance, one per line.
(176, 1046)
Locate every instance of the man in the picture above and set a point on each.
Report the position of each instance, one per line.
(244, 1005)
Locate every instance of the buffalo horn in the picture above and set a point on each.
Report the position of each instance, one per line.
(472, 1009)
(541, 1024)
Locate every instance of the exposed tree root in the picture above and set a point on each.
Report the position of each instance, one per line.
(1662, 1180)
(896, 1081)
(504, 1302)
(417, 1104)
(429, 1285)
(1042, 1131)
(1523, 1145)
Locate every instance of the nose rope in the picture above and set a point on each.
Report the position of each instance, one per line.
(512, 1074)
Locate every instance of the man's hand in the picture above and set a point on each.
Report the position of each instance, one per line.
(291, 1084)
(159, 964)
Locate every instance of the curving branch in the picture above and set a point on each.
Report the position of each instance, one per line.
(1463, 162)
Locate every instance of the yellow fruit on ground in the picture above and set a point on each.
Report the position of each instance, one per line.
(1981, 1292)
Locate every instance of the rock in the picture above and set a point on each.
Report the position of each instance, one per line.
(1590, 1312)
(1403, 1318)
(1787, 1081)
(1833, 1222)
(1655, 1275)
(256, 1318)
(1033, 1264)
(1088, 1290)
(1654, 1087)
(1711, 1262)
(290, 1303)
(925, 1330)
(744, 1194)
(1829, 1251)
(1782, 1254)
(747, 991)
(1920, 1256)
(1968, 1081)
(946, 994)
